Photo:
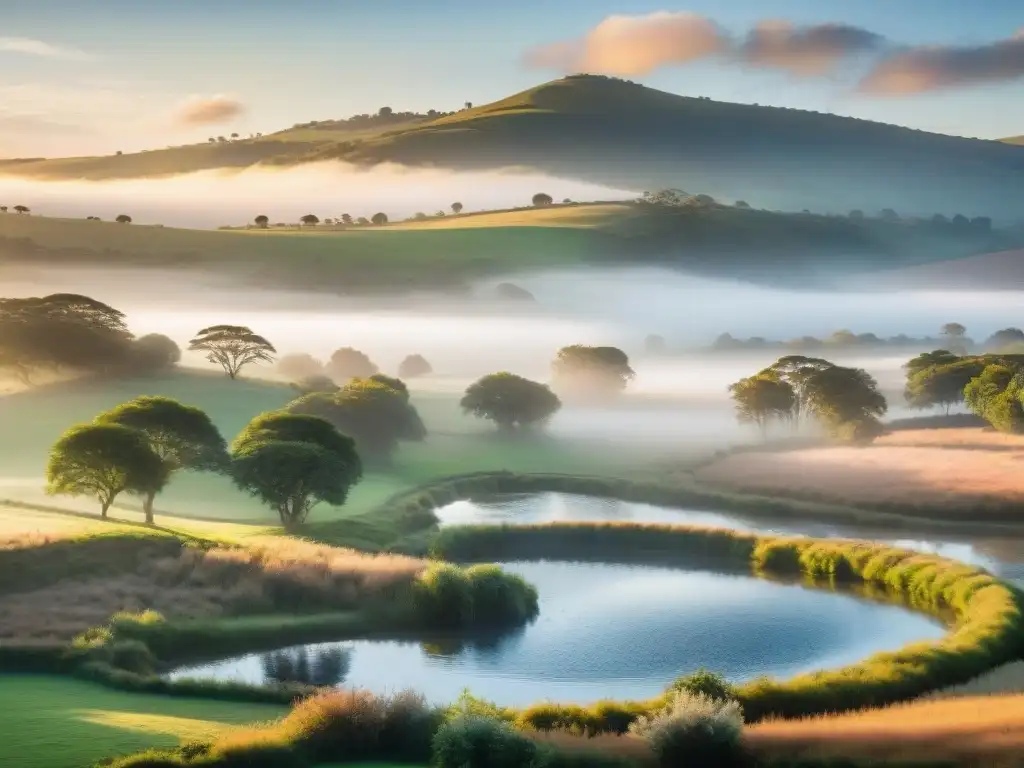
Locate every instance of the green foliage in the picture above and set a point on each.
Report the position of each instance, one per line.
(447, 596)
(997, 395)
(761, 399)
(232, 347)
(591, 371)
(927, 360)
(694, 730)
(510, 401)
(472, 741)
(941, 385)
(103, 461)
(390, 381)
(318, 383)
(797, 371)
(153, 353)
(838, 396)
(705, 683)
(348, 363)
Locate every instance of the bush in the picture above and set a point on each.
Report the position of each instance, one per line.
(705, 683)
(694, 730)
(481, 742)
(153, 353)
(316, 383)
(446, 596)
(132, 656)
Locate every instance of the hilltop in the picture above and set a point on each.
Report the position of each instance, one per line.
(625, 135)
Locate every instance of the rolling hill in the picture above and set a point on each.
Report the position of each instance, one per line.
(625, 135)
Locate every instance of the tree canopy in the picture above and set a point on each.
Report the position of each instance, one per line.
(997, 395)
(298, 366)
(510, 401)
(379, 219)
(348, 363)
(262, 221)
(796, 371)
(103, 460)
(846, 401)
(413, 366)
(927, 360)
(941, 385)
(456, 208)
(542, 199)
(310, 220)
(153, 352)
(183, 436)
(591, 371)
(293, 462)
(761, 399)
(123, 218)
(1004, 339)
(232, 347)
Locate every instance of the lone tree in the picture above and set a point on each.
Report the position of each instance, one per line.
(182, 436)
(22, 209)
(349, 363)
(299, 366)
(232, 347)
(292, 462)
(954, 330)
(379, 218)
(262, 221)
(847, 402)
(123, 218)
(591, 371)
(346, 219)
(542, 199)
(153, 353)
(413, 366)
(310, 220)
(762, 399)
(797, 371)
(375, 415)
(456, 208)
(510, 401)
(103, 461)
(941, 386)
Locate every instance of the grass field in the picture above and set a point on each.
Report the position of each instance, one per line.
(963, 469)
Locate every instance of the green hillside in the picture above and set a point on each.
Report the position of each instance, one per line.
(625, 135)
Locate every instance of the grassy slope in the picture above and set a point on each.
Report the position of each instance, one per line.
(81, 722)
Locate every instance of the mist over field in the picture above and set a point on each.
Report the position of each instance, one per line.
(209, 199)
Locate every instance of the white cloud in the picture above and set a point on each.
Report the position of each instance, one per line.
(31, 47)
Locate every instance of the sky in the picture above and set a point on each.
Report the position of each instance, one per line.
(82, 78)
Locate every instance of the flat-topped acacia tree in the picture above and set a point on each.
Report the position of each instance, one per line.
(103, 461)
(182, 436)
(232, 347)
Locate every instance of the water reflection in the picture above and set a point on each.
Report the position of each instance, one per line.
(327, 667)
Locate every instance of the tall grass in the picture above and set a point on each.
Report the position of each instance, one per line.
(987, 628)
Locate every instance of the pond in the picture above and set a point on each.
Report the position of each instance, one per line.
(1002, 556)
(610, 631)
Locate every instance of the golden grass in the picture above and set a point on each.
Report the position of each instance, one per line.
(974, 731)
(1009, 678)
(942, 468)
(585, 215)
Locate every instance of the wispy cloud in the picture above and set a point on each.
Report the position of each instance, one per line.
(31, 47)
(932, 68)
(208, 110)
(810, 50)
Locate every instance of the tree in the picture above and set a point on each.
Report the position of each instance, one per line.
(888, 214)
(456, 208)
(1000, 340)
(839, 396)
(183, 436)
(234, 135)
(379, 219)
(103, 461)
(591, 371)
(857, 215)
(152, 353)
(316, 383)
(232, 347)
(348, 363)
(941, 385)
(262, 221)
(385, 112)
(346, 219)
(542, 199)
(362, 221)
(954, 330)
(997, 395)
(761, 399)
(413, 366)
(390, 381)
(510, 401)
(742, 204)
(22, 209)
(310, 220)
(374, 414)
(419, 216)
(960, 221)
(927, 360)
(123, 218)
(299, 366)
(3, 209)
(291, 463)
(796, 371)
(654, 344)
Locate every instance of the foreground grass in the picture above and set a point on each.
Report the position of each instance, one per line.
(59, 722)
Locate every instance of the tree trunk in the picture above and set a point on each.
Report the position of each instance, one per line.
(105, 505)
(147, 507)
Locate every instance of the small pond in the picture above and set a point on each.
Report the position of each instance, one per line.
(609, 631)
(1002, 556)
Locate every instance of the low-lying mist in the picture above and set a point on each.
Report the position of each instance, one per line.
(209, 199)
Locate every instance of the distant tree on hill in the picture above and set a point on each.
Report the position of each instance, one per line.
(221, 139)
(741, 204)
(22, 209)
(1000, 340)
(888, 214)
(349, 363)
(413, 366)
(379, 218)
(212, 140)
(234, 135)
(510, 401)
(857, 214)
(262, 221)
(591, 371)
(123, 218)
(362, 221)
(103, 461)
(566, 201)
(385, 112)
(316, 383)
(298, 366)
(469, 105)
(346, 219)
(310, 220)
(939, 220)
(456, 208)
(439, 214)
(542, 199)
(3, 209)
(232, 347)
(955, 332)
(419, 216)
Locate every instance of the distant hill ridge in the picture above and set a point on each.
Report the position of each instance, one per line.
(624, 135)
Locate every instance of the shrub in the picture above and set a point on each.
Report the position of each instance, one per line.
(153, 353)
(705, 683)
(481, 742)
(694, 730)
(132, 656)
(446, 596)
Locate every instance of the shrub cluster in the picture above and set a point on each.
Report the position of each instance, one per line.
(447, 596)
(694, 729)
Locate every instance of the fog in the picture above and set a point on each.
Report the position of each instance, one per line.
(210, 199)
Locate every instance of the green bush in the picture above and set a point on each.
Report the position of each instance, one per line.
(446, 596)
(132, 656)
(481, 742)
(705, 683)
(694, 730)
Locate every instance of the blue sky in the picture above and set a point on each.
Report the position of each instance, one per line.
(83, 77)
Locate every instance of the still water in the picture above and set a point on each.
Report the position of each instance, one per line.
(612, 632)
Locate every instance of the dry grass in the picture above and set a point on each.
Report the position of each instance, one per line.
(196, 583)
(975, 731)
(933, 468)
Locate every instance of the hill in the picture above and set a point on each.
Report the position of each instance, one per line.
(448, 252)
(625, 135)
